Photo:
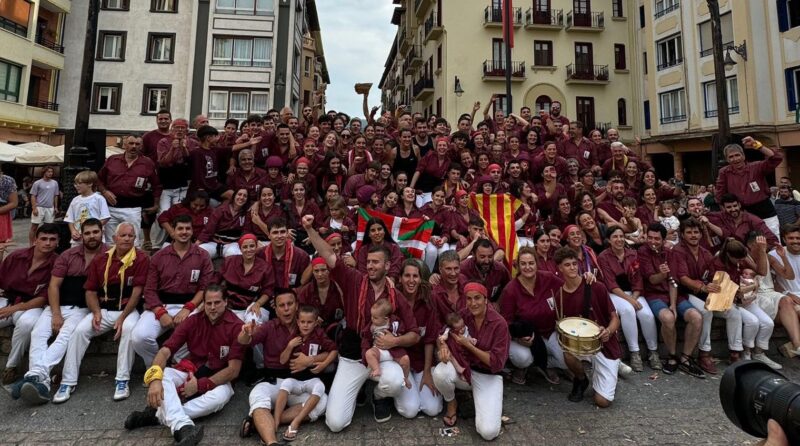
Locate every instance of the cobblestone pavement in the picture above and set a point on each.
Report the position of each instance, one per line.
(650, 409)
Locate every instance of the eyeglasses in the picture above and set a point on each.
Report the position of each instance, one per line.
(345, 135)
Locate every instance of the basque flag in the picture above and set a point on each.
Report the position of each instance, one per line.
(411, 234)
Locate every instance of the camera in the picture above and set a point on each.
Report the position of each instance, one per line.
(752, 393)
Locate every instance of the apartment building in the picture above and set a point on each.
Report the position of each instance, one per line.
(577, 52)
(679, 108)
(31, 63)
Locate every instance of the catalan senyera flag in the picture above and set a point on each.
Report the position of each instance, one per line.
(411, 234)
(497, 212)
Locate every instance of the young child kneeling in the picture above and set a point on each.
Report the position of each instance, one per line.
(384, 323)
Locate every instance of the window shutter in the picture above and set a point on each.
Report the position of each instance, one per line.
(791, 93)
(783, 15)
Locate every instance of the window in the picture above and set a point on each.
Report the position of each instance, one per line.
(245, 7)
(726, 25)
(788, 14)
(164, 6)
(439, 57)
(616, 8)
(792, 87)
(307, 66)
(237, 104)
(543, 103)
(155, 98)
(242, 52)
(622, 112)
(15, 15)
(438, 106)
(673, 107)
(710, 93)
(160, 48)
(500, 105)
(111, 45)
(543, 53)
(644, 62)
(641, 16)
(106, 98)
(669, 52)
(10, 76)
(115, 5)
(498, 52)
(619, 57)
(665, 6)
(647, 115)
(585, 111)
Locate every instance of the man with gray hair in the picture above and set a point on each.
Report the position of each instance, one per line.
(248, 176)
(620, 155)
(748, 180)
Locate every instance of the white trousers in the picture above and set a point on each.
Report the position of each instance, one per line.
(175, 415)
(43, 357)
(350, 376)
(423, 199)
(411, 401)
(23, 322)
(144, 338)
(264, 395)
(229, 249)
(604, 370)
(774, 225)
(757, 327)
(120, 215)
(733, 325)
(520, 356)
(432, 253)
(84, 333)
(627, 317)
(487, 391)
(171, 197)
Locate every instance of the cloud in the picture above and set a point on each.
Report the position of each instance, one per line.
(356, 36)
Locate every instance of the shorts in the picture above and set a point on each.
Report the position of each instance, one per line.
(46, 215)
(657, 305)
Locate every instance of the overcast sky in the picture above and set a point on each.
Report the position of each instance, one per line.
(356, 37)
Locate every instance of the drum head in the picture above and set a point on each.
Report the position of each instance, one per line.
(580, 327)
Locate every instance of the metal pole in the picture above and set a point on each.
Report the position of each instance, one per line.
(507, 38)
(87, 78)
(723, 135)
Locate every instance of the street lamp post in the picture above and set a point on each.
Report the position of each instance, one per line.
(723, 135)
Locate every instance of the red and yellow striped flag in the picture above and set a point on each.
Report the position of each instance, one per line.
(497, 212)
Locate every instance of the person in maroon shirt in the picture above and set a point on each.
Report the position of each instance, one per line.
(176, 278)
(549, 191)
(124, 180)
(150, 139)
(748, 180)
(249, 282)
(288, 262)
(431, 170)
(356, 182)
(577, 146)
(263, 211)
(114, 286)
(448, 293)
(172, 159)
(548, 157)
(362, 290)
(553, 121)
(24, 276)
(613, 206)
(337, 220)
(248, 176)
(658, 268)
(578, 297)
(195, 205)
(695, 208)
(483, 268)
(527, 305)
(544, 248)
(300, 204)
(225, 227)
(485, 360)
(204, 166)
(621, 156)
(323, 294)
(736, 222)
(376, 234)
(199, 384)
(619, 268)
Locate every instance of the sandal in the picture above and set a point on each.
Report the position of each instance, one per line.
(290, 434)
(246, 429)
(549, 375)
(450, 420)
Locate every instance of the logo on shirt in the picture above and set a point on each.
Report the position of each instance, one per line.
(551, 302)
(338, 315)
(422, 332)
(139, 182)
(223, 351)
(395, 327)
(194, 276)
(130, 281)
(313, 349)
(254, 288)
(241, 220)
(205, 220)
(39, 288)
(293, 279)
(754, 186)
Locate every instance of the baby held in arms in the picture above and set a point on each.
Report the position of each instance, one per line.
(384, 323)
(456, 325)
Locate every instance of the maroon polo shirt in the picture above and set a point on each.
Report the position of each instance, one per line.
(427, 318)
(130, 182)
(396, 259)
(274, 336)
(169, 274)
(550, 203)
(309, 208)
(150, 142)
(739, 231)
(353, 184)
(210, 345)
(611, 209)
(491, 337)
(300, 262)
(348, 237)
(251, 227)
(540, 161)
(432, 170)
(223, 219)
(72, 263)
(517, 304)
(748, 182)
(204, 167)
(243, 288)
(167, 157)
(583, 151)
(456, 222)
(612, 164)
(199, 220)
(308, 294)
(601, 312)
(548, 264)
(400, 211)
(253, 183)
(18, 283)
(645, 215)
(734, 271)
(648, 266)
(135, 275)
(696, 268)
(351, 281)
(444, 306)
(494, 281)
(315, 343)
(616, 274)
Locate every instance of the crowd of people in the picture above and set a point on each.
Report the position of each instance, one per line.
(224, 255)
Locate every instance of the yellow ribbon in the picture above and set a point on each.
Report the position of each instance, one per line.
(127, 260)
(152, 374)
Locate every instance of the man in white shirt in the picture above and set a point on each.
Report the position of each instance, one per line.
(44, 201)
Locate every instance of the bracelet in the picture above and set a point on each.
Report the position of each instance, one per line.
(152, 374)
(159, 312)
(189, 306)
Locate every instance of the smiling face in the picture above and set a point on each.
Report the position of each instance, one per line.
(477, 303)
(410, 279)
(299, 192)
(286, 308)
(240, 199)
(527, 265)
(248, 248)
(575, 238)
(277, 236)
(377, 266)
(376, 233)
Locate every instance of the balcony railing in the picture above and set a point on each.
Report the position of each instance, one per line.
(433, 26)
(667, 10)
(669, 63)
(550, 17)
(673, 118)
(593, 20)
(47, 105)
(413, 58)
(422, 84)
(713, 113)
(497, 68)
(493, 15)
(41, 40)
(586, 72)
(709, 51)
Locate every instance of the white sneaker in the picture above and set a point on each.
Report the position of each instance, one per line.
(122, 391)
(746, 355)
(63, 394)
(624, 369)
(763, 358)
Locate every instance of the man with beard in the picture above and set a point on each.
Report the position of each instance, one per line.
(577, 146)
(482, 268)
(66, 308)
(150, 139)
(283, 144)
(553, 121)
(737, 223)
(362, 290)
(711, 233)
(786, 206)
(422, 141)
(199, 384)
(286, 261)
(613, 207)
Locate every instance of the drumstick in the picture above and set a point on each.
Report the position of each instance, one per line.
(662, 256)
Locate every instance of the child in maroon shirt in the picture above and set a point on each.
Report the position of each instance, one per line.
(384, 322)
